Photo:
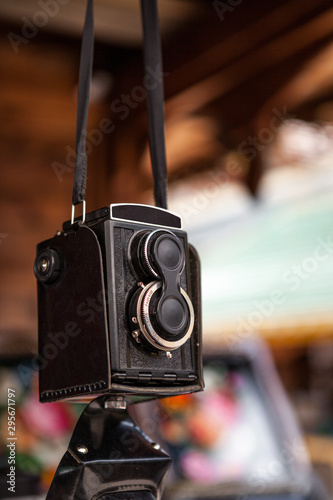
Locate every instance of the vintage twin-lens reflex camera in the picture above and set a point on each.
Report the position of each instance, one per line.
(119, 307)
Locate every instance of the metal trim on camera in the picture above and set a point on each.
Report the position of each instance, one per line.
(145, 323)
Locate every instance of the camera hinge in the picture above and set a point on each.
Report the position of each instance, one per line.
(145, 377)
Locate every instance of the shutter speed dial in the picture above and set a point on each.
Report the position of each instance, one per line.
(163, 310)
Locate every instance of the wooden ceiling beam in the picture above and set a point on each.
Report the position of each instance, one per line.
(284, 17)
(38, 101)
(262, 59)
(313, 81)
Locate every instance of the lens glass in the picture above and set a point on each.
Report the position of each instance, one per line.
(168, 253)
(173, 315)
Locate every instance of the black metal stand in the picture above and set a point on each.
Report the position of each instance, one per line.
(109, 458)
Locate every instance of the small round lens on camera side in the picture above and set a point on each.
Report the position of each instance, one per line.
(47, 266)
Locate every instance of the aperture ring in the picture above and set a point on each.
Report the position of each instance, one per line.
(145, 322)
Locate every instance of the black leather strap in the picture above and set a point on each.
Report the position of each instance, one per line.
(155, 99)
(86, 64)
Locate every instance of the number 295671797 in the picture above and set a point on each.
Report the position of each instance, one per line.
(11, 412)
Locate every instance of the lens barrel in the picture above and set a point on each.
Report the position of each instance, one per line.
(163, 310)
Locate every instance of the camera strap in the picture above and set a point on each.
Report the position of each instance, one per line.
(155, 98)
(155, 102)
(85, 74)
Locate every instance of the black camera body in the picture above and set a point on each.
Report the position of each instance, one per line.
(119, 307)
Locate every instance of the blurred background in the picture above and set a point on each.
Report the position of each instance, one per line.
(249, 136)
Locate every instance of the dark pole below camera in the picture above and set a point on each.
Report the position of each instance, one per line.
(109, 458)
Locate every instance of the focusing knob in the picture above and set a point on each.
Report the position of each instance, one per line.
(47, 266)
